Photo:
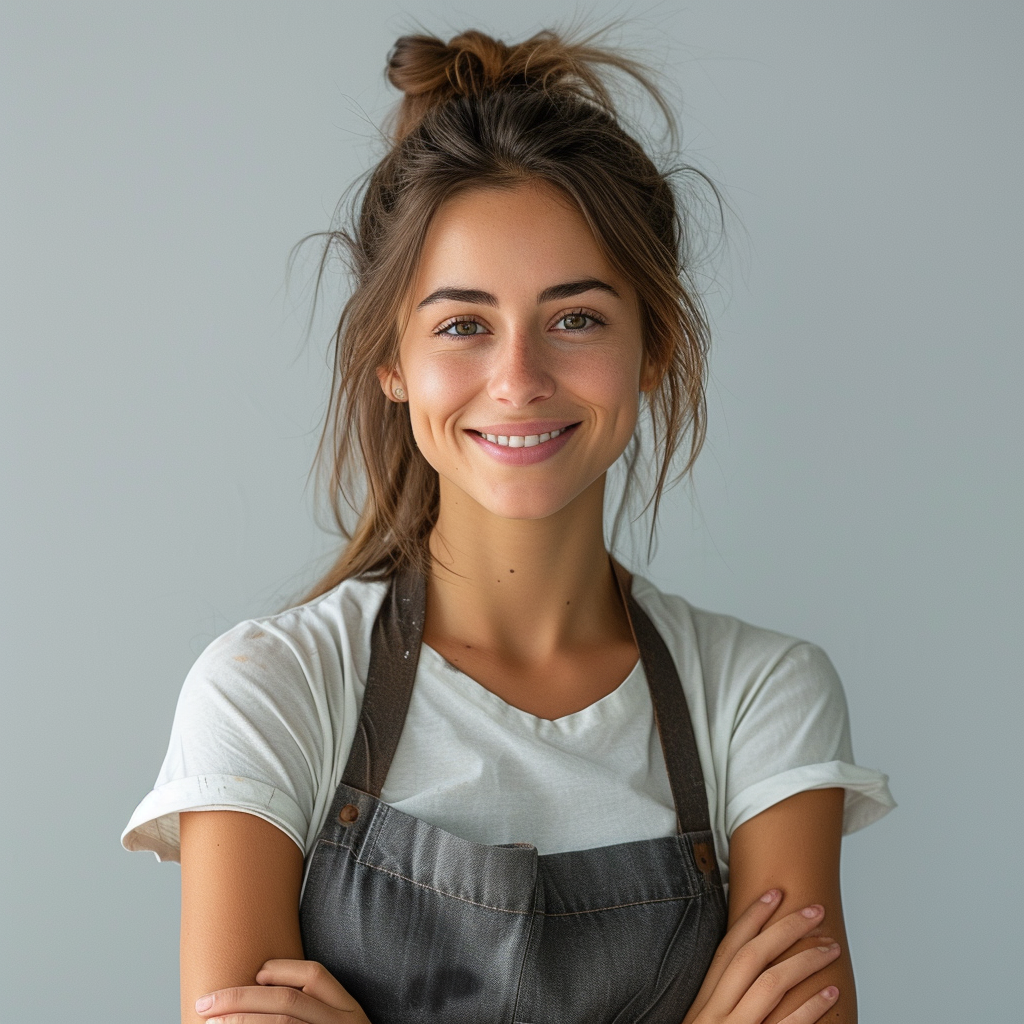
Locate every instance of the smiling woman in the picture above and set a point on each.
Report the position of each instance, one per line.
(485, 773)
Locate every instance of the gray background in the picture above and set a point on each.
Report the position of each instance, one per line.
(861, 486)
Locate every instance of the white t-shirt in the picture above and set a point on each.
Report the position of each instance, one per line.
(268, 712)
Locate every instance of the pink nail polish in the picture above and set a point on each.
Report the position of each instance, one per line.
(814, 911)
(770, 896)
(831, 992)
(203, 1003)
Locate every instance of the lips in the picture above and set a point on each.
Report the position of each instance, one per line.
(524, 449)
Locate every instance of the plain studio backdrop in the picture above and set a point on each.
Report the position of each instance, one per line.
(861, 486)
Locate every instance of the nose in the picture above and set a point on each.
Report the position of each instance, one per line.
(520, 373)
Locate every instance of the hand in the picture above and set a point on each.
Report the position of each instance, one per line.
(287, 992)
(740, 988)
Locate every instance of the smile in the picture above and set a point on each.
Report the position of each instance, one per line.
(521, 440)
(524, 449)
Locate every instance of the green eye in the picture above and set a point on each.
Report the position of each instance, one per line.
(462, 328)
(575, 321)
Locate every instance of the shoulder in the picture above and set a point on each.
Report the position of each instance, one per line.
(293, 676)
(731, 657)
(769, 713)
(261, 717)
(342, 615)
(303, 644)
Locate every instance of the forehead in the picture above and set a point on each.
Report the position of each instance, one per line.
(528, 235)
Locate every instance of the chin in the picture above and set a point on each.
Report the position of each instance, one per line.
(521, 504)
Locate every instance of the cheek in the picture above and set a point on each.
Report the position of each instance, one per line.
(438, 388)
(611, 381)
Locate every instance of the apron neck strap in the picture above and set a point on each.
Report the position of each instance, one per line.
(394, 654)
(671, 714)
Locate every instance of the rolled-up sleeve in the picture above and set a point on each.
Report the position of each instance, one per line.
(791, 733)
(246, 737)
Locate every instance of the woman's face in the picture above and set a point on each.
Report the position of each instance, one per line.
(522, 357)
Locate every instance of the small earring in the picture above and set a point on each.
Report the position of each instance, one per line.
(399, 393)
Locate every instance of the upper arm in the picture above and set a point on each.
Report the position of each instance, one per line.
(794, 846)
(240, 882)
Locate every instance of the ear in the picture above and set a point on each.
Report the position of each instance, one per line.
(391, 383)
(650, 375)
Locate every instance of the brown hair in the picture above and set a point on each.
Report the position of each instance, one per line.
(478, 113)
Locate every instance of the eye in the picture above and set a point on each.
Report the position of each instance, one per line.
(578, 321)
(461, 328)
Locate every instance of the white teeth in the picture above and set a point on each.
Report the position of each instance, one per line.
(521, 441)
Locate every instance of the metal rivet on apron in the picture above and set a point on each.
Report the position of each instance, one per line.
(704, 857)
(348, 814)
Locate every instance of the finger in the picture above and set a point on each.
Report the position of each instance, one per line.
(751, 921)
(253, 1018)
(310, 977)
(771, 985)
(287, 1003)
(758, 952)
(815, 1007)
(743, 929)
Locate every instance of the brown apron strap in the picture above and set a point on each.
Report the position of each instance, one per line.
(671, 714)
(394, 654)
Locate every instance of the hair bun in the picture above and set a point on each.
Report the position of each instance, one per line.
(431, 72)
(469, 64)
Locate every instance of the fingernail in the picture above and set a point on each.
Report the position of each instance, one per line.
(770, 896)
(829, 948)
(203, 1003)
(813, 911)
(831, 992)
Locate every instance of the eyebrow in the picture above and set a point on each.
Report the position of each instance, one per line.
(482, 298)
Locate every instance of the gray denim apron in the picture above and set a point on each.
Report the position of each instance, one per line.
(422, 925)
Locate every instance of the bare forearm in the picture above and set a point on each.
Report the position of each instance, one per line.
(796, 845)
(239, 901)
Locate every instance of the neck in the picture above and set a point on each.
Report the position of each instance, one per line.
(523, 589)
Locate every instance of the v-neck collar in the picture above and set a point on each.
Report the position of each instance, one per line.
(467, 687)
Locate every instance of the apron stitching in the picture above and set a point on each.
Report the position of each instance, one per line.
(423, 885)
(382, 810)
(526, 954)
(505, 910)
(618, 906)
